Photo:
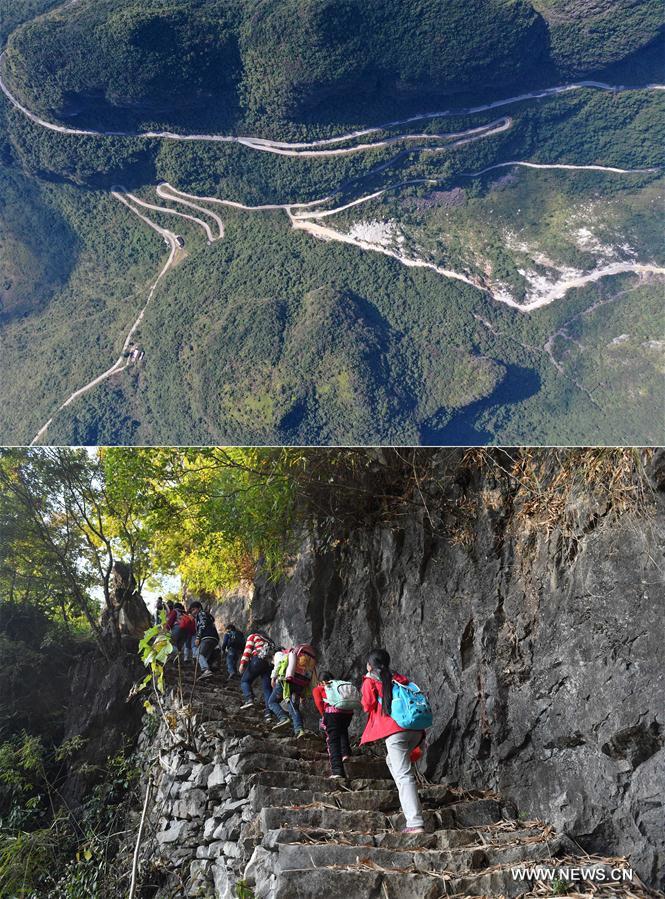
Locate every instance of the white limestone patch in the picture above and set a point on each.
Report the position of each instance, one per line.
(382, 234)
(589, 242)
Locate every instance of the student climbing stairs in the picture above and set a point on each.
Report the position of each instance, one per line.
(242, 811)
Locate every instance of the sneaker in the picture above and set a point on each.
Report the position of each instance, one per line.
(299, 734)
(413, 830)
(207, 673)
(247, 705)
(336, 777)
(281, 723)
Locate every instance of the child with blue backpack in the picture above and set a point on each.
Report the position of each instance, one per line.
(398, 715)
(336, 701)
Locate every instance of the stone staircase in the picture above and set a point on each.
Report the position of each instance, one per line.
(248, 812)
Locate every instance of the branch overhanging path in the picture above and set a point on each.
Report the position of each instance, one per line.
(307, 214)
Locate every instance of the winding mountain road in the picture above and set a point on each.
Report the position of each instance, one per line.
(560, 165)
(304, 148)
(166, 210)
(122, 362)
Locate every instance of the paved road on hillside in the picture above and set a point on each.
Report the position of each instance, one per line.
(305, 148)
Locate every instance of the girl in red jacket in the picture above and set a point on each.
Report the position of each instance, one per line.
(400, 743)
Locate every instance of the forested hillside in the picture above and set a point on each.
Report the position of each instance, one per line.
(125, 64)
(597, 33)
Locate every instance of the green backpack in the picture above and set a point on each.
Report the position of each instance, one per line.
(343, 696)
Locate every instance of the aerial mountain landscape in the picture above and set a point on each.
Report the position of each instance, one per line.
(331, 221)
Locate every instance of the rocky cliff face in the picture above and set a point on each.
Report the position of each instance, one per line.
(538, 636)
(101, 714)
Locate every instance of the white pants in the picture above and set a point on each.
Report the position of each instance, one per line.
(399, 748)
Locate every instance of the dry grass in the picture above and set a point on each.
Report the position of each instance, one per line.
(555, 488)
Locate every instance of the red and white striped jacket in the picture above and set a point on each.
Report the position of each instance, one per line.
(252, 646)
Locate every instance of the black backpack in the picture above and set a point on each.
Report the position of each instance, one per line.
(236, 640)
(209, 630)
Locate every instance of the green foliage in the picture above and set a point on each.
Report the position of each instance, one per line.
(68, 856)
(155, 649)
(37, 247)
(21, 777)
(69, 747)
(119, 60)
(212, 514)
(24, 857)
(243, 890)
(13, 14)
(61, 517)
(36, 656)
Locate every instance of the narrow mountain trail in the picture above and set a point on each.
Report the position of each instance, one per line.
(246, 805)
(167, 211)
(177, 196)
(560, 165)
(123, 361)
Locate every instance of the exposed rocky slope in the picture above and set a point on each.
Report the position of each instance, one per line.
(539, 635)
(240, 811)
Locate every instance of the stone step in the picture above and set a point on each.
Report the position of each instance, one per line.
(497, 834)
(237, 721)
(252, 728)
(297, 856)
(213, 686)
(442, 799)
(357, 766)
(367, 800)
(320, 783)
(332, 883)
(321, 817)
(462, 815)
(465, 813)
(263, 743)
(487, 836)
(266, 745)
